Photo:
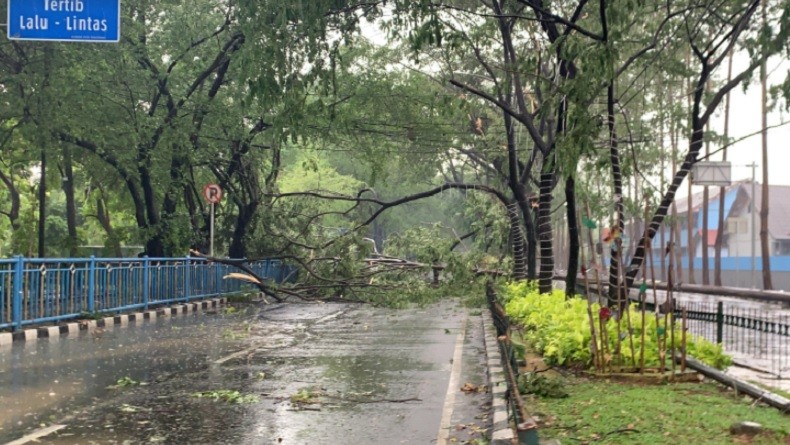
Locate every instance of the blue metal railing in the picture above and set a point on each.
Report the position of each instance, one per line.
(40, 290)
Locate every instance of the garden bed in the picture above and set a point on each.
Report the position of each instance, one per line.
(648, 377)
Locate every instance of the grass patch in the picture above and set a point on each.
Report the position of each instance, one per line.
(615, 413)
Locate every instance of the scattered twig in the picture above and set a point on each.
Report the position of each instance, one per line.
(621, 430)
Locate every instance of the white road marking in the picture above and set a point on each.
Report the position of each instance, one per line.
(452, 388)
(37, 434)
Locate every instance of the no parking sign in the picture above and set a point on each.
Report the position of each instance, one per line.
(212, 193)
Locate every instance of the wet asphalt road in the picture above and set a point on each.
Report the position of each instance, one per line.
(314, 374)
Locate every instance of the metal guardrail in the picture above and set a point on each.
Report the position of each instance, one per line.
(44, 290)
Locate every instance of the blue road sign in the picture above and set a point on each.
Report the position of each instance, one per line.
(65, 20)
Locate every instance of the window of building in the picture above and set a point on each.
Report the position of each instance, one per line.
(782, 247)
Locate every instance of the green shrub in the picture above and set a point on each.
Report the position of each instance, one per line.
(559, 329)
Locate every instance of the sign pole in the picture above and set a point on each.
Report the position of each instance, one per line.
(211, 231)
(213, 194)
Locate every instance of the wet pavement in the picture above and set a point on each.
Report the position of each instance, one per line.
(305, 374)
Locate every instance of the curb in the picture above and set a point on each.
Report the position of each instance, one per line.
(501, 431)
(73, 328)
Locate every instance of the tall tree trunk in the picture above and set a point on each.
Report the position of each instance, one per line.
(616, 255)
(518, 244)
(170, 203)
(155, 244)
(244, 220)
(691, 251)
(13, 192)
(573, 236)
(103, 215)
(561, 259)
(705, 215)
(249, 196)
(71, 206)
(634, 221)
(675, 235)
(531, 242)
(521, 259)
(690, 226)
(536, 236)
(662, 184)
(765, 247)
(546, 273)
(722, 190)
(695, 146)
(705, 267)
(42, 206)
(379, 235)
(191, 202)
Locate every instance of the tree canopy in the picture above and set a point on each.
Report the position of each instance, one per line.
(486, 133)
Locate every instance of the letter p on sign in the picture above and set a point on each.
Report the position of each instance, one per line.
(212, 193)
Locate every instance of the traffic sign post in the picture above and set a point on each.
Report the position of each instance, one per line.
(65, 20)
(211, 232)
(213, 194)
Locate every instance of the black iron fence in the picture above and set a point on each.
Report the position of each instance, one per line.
(757, 337)
(526, 427)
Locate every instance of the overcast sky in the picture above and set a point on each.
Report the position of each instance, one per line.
(745, 119)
